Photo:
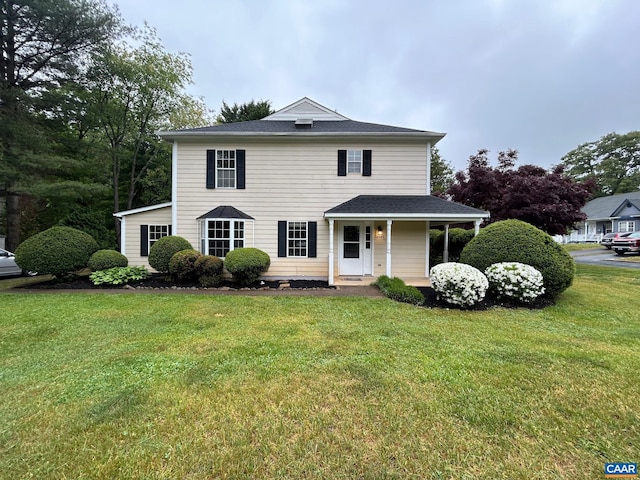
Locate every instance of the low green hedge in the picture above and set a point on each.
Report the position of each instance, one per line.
(395, 289)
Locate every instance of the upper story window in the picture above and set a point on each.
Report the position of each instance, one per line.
(226, 168)
(624, 227)
(354, 161)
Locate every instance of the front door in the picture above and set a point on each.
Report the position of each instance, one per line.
(351, 249)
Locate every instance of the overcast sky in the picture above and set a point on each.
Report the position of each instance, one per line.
(540, 76)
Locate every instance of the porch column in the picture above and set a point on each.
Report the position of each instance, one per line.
(445, 252)
(330, 279)
(389, 222)
(427, 250)
(476, 230)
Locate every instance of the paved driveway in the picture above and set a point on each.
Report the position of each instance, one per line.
(602, 256)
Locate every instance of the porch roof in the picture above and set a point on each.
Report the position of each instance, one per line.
(405, 207)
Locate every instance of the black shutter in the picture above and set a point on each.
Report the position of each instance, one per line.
(240, 169)
(169, 230)
(144, 240)
(342, 163)
(211, 169)
(312, 235)
(282, 238)
(366, 163)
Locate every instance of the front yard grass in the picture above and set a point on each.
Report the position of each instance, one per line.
(194, 386)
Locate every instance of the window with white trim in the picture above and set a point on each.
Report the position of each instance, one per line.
(354, 161)
(297, 239)
(225, 168)
(220, 236)
(624, 227)
(156, 232)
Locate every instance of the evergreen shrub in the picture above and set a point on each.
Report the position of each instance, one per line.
(182, 265)
(58, 251)
(247, 264)
(163, 249)
(209, 270)
(106, 259)
(518, 241)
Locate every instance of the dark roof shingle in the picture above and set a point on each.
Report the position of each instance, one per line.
(402, 204)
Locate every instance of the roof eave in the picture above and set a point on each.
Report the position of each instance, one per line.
(173, 135)
(467, 217)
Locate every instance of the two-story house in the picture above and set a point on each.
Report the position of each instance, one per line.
(325, 196)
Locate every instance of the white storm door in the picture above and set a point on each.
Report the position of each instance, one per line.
(351, 249)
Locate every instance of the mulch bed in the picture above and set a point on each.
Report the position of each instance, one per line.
(158, 282)
(490, 301)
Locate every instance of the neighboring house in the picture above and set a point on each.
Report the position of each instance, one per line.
(615, 213)
(325, 196)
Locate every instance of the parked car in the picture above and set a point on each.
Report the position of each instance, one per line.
(609, 238)
(628, 243)
(8, 265)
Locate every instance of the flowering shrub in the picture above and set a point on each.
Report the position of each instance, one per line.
(515, 280)
(459, 284)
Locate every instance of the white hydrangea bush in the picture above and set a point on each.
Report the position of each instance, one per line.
(458, 283)
(515, 280)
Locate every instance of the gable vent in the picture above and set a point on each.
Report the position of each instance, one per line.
(304, 123)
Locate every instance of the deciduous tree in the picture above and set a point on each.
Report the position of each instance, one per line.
(549, 200)
(441, 173)
(613, 162)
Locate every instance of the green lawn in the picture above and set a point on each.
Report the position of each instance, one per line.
(171, 386)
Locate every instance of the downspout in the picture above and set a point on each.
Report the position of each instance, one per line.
(174, 189)
(428, 168)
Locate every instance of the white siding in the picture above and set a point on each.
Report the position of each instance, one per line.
(131, 247)
(291, 179)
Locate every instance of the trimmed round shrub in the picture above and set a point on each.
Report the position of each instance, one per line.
(518, 241)
(58, 251)
(459, 284)
(515, 280)
(163, 249)
(106, 259)
(182, 265)
(209, 270)
(247, 264)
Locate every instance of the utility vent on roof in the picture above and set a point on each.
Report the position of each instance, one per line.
(304, 123)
